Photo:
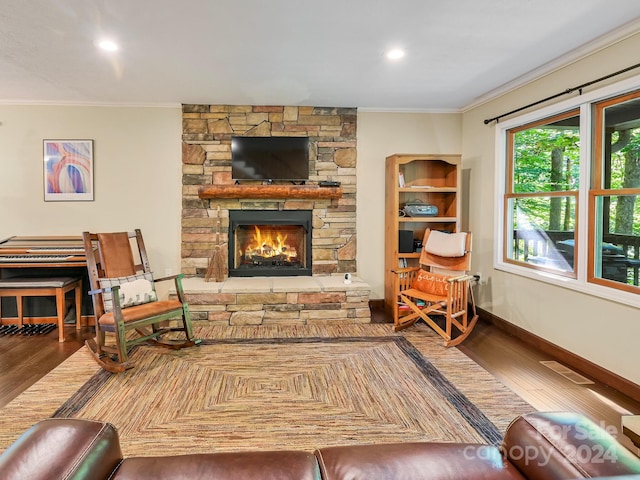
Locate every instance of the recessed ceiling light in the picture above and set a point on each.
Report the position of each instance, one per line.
(108, 45)
(395, 54)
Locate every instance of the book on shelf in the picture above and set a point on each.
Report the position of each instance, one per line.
(403, 306)
(401, 182)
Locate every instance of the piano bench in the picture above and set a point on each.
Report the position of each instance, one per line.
(58, 287)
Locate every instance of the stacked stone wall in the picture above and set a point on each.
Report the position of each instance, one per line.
(206, 160)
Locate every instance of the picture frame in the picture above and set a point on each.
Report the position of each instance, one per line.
(68, 170)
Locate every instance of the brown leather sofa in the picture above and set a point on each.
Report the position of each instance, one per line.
(542, 446)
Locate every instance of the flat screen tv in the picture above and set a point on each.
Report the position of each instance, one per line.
(270, 158)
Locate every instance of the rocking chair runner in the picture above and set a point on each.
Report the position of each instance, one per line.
(440, 287)
(125, 301)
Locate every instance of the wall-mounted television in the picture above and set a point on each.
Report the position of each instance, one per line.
(270, 158)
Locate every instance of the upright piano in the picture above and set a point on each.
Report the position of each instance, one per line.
(43, 256)
(42, 252)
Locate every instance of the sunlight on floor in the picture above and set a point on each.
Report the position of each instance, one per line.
(611, 403)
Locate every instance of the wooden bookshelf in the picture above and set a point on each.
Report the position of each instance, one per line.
(433, 179)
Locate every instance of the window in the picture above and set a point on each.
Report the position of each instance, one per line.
(615, 210)
(541, 194)
(569, 200)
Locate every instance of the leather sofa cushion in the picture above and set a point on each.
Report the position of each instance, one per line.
(276, 465)
(414, 461)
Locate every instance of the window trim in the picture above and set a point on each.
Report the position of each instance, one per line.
(598, 190)
(510, 194)
(584, 208)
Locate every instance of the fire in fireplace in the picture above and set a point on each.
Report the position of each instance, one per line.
(269, 243)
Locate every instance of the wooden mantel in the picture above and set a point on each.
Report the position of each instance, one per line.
(269, 191)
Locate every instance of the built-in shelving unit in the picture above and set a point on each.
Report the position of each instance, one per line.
(431, 179)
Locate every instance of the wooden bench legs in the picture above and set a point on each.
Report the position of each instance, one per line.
(20, 287)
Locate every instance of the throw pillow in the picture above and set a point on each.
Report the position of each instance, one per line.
(446, 244)
(134, 290)
(433, 283)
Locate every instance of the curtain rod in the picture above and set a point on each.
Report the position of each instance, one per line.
(565, 92)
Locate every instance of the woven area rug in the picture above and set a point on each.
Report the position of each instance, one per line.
(262, 388)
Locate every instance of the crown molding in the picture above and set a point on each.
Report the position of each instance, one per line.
(408, 110)
(50, 103)
(604, 41)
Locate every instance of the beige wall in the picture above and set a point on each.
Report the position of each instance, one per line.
(138, 169)
(599, 330)
(381, 135)
(145, 144)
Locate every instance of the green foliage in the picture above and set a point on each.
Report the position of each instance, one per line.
(533, 150)
(547, 159)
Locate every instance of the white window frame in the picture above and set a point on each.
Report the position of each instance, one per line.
(584, 102)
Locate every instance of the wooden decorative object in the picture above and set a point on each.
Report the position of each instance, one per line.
(217, 268)
(269, 191)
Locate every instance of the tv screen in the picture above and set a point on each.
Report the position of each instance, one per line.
(270, 158)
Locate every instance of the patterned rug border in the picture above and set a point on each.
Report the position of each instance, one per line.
(467, 409)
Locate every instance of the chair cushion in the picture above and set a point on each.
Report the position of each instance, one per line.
(446, 244)
(147, 310)
(37, 282)
(433, 283)
(134, 290)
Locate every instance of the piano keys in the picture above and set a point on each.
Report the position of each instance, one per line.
(40, 252)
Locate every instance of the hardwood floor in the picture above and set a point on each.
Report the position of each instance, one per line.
(518, 366)
(24, 360)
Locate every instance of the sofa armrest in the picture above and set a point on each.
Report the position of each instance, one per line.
(63, 448)
(559, 445)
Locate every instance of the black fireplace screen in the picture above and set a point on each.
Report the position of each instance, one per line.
(269, 243)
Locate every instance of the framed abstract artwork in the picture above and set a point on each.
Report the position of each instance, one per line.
(68, 170)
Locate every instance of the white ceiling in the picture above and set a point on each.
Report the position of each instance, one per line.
(294, 52)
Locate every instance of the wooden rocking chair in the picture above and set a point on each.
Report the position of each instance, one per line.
(125, 301)
(441, 287)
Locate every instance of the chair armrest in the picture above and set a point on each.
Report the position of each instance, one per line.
(170, 277)
(178, 283)
(405, 277)
(113, 289)
(461, 278)
(400, 271)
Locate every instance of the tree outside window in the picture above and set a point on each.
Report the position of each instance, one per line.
(615, 216)
(541, 194)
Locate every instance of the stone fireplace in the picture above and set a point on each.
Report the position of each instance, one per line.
(211, 200)
(264, 243)
(206, 161)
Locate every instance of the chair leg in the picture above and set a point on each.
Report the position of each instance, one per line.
(60, 304)
(186, 322)
(95, 346)
(78, 297)
(464, 334)
(20, 307)
(121, 342)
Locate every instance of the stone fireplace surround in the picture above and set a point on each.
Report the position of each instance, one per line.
(206, 161)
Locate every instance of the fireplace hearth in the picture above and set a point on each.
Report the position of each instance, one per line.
(270, 243)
